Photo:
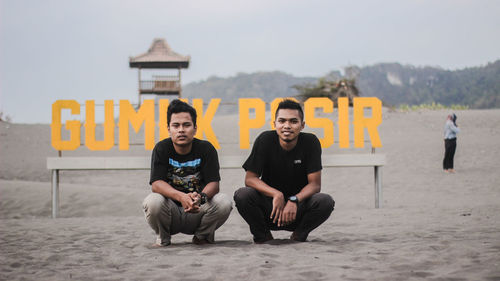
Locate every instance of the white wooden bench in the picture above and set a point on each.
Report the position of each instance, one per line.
(56, 164)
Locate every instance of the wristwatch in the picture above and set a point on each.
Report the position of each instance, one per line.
(294, 199)
(203, 198)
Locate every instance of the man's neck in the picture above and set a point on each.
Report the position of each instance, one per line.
(287, 146)
(183, 150)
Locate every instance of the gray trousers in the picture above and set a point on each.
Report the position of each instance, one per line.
(167, 218)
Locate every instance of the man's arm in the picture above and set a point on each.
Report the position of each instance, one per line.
(290, 210)
(187, 200)
(211, 189)
(313, 186)
(210, 170)
(252, 180)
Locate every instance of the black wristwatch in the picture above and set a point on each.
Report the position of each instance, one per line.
(203, 198)
(294, 199)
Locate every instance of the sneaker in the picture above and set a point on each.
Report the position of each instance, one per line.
(296, 237)
(198, 241)
(267, 238)
(160, 244)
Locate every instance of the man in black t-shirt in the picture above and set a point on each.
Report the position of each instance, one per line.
(283, 180)
(185, 182)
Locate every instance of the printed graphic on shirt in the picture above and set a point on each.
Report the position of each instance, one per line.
(185, 176)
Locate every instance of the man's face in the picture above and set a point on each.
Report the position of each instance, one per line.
(181, 129)
(288, 124)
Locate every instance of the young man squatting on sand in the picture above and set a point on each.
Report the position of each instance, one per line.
(184, 181)
(283, 180)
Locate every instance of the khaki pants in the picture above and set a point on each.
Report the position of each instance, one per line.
(167, 218)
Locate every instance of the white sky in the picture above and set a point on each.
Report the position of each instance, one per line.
(68, 49)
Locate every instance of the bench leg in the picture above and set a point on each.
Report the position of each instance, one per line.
(55, 193)
(378, 187)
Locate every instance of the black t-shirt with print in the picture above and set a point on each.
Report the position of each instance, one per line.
(284, 170)
(186, 173)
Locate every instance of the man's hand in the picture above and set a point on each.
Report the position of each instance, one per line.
(196, 197)
(191, 202)
(278, 204)
(289, 214)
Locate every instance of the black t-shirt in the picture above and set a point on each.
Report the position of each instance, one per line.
(186, 173)
(284, 170)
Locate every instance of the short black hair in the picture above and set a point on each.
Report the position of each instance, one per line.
(290, 104)
(178, 106)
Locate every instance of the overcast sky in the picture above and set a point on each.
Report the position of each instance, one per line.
(64, 49)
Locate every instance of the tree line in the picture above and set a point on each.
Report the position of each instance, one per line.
(393, 83)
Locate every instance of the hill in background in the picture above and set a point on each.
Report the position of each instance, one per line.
(393, 83)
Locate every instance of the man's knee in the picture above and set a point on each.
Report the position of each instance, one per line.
(153, 203)
(223, 203)
(242, 195)
(324, 202)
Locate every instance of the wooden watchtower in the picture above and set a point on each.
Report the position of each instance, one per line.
(160, 57)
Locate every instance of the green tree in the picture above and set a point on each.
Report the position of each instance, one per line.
(329, 88)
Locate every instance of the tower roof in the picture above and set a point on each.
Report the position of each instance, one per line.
(160, 55)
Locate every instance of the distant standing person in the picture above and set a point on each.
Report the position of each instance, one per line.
(283, 180)
(185, 182)
(450, 142)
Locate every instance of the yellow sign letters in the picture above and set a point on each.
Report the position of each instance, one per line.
(252, 113)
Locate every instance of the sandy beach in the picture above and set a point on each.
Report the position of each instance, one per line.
(432, 225)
